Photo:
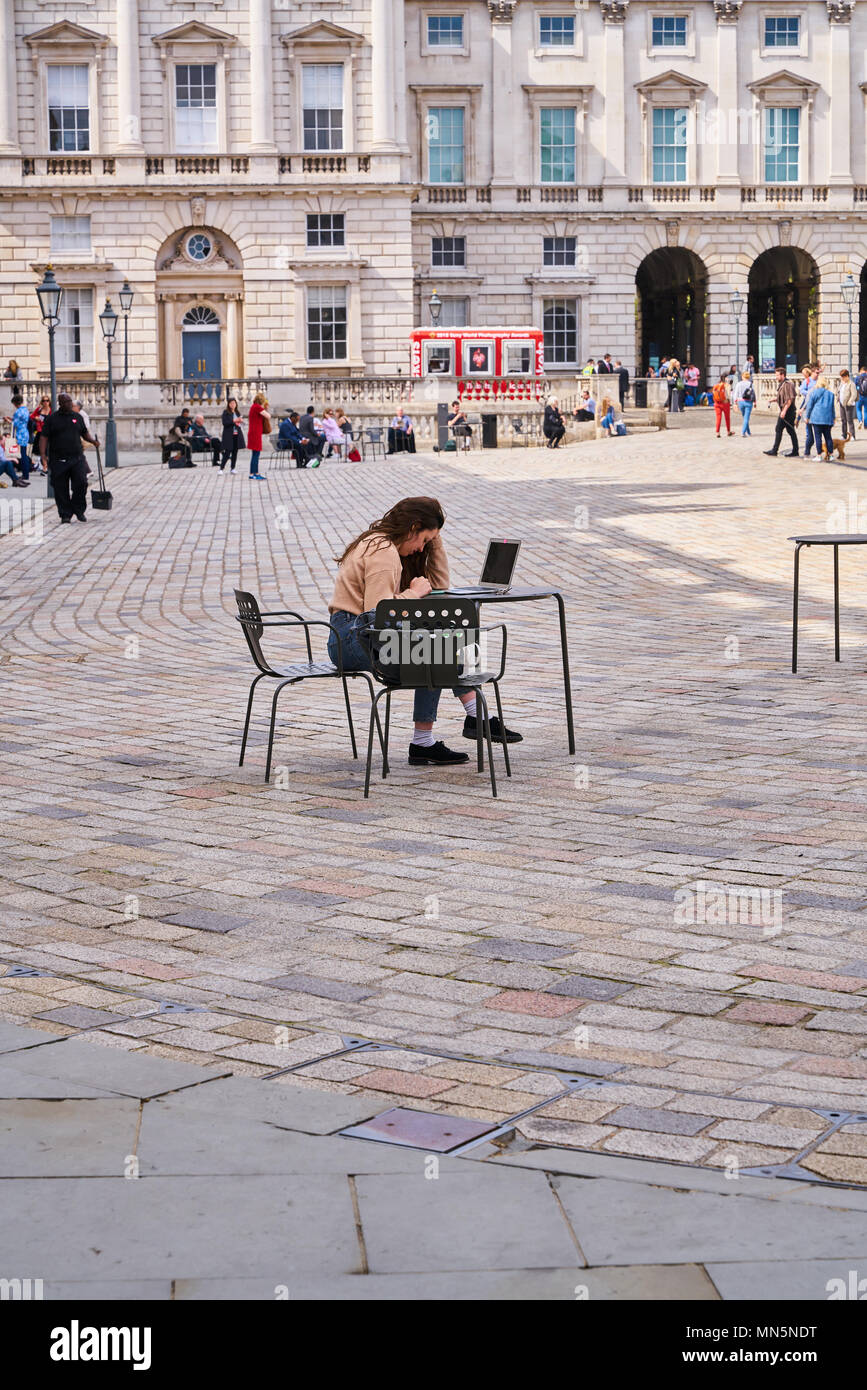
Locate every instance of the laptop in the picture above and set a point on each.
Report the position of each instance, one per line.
(497, 570)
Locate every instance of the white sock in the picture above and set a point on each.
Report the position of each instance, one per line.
(470, 707)
(423, 738)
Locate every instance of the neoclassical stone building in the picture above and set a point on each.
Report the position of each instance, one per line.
(285, 184)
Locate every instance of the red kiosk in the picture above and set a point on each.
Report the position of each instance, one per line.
(488, 364)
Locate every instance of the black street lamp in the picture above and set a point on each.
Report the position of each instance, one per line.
(50, 295)
(108, 323)
(435, 305)
(736, 302)
(126, 296)
(849, 289)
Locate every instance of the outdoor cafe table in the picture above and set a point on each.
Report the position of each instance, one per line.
(836, 540)
(533, 595)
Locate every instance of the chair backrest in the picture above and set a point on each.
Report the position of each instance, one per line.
(374, 434)
(421, 642)
(250, 618)
(518, 424)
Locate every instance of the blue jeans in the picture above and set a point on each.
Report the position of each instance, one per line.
(822, 436)
(357, 658)
(6, 467)
(861, 410)
(746, 409)
(254, 461)
(809, 439)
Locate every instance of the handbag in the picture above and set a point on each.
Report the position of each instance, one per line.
(266, 424)
(100, 498)
(11, 447)
(354, 456)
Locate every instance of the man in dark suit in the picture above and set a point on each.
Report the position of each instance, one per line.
(309, 433)
(290, 434)
(622, 380)
(605, 364)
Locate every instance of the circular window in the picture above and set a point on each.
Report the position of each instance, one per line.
(198, 247)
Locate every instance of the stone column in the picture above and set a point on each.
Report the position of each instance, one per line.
(399, 42)
(9, 94)
(839, 85)
(502, 94)
(129, 139)
(383, 69)
(234, 353)
(727, 133)
(261, 79)
(614, 18)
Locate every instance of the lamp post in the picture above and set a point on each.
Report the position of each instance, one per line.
(435, 305)
(50, 296)
(126, 296)
(736, 303)
(108, 323)
(849, 289)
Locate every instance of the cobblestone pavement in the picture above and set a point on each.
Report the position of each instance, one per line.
(655, 948)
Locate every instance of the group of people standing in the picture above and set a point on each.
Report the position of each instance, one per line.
(815, 405)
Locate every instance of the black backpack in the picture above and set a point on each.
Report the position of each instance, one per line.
(749, 396)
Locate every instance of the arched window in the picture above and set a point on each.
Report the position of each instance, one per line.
(200, 316)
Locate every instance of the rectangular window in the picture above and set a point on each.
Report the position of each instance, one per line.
(448, 251)
(325, 229)
(668, 31)
(70, 234)
(455, 313)
(322, 102)
(326, 323)
(557, 127)
(783, 31)
(74, 334)
(556, 31)
(517, 359)
(669, 144)
(560, 327)
(196, 107)
(445, 31)
(782, 144)
(558, 250)
(68, 107)
(445, 135)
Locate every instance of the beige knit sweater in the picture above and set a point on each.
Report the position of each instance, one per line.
(372, 570)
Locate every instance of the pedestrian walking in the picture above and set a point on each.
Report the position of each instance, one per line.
(861, 401)
(846, 399)
(785, 416)
(820, 414)
(722, 405)
(745, 399)
(232, 438)
(60, 447)
(808, 385)
(258, 425)
(622, 381)
(20, 423)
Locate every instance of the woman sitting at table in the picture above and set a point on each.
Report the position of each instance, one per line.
(399, 556)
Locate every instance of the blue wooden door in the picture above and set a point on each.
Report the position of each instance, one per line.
(201, 356)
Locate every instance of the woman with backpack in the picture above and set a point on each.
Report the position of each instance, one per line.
(745, 399)
(721, 405)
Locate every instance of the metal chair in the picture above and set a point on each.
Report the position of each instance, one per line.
(520, 434)
(253, 622)
(374, 438)
(429, 644)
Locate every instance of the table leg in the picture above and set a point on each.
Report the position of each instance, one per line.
(564, 651)
(795, 610)
(836, 603)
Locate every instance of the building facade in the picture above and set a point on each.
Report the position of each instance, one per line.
(284, 185)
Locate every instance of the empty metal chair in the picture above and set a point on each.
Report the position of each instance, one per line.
(253, 621)
(374, 438)
(433, 644)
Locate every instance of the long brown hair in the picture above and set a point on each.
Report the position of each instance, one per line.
(408, 515)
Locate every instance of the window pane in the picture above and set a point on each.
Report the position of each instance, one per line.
(68, 107)
(196, 106)
(326, 323)
(782, 31)
(322, 100)
(558, 250)
(74, 334)
(556, 30)
(669, 31)
(669, 144)
(448, 250)
(782, 140)
(445, 133)
(455, 313)
(70, 234)
(325, 229)
(445, 31)
(558, 144)
(560, 328)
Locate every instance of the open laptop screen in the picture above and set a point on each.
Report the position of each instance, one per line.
(500, 562)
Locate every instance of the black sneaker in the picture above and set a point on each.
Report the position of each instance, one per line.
(80, 516)
(793, 454)
(771, 453)
(437, 753)
(470, 726)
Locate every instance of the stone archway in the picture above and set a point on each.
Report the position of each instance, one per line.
(199, 274)
(671, 284)
(782, 317)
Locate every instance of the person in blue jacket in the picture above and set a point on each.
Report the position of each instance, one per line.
(290, 434)
(819, 412)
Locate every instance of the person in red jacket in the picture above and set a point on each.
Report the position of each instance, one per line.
(259, 423)
(722, 405)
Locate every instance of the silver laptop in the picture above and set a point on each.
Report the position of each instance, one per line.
(497, 570)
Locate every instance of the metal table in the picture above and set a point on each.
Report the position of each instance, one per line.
(531, 596)
(836, 541)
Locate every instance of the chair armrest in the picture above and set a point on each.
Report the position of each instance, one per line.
(293, 619)
(494, 627)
